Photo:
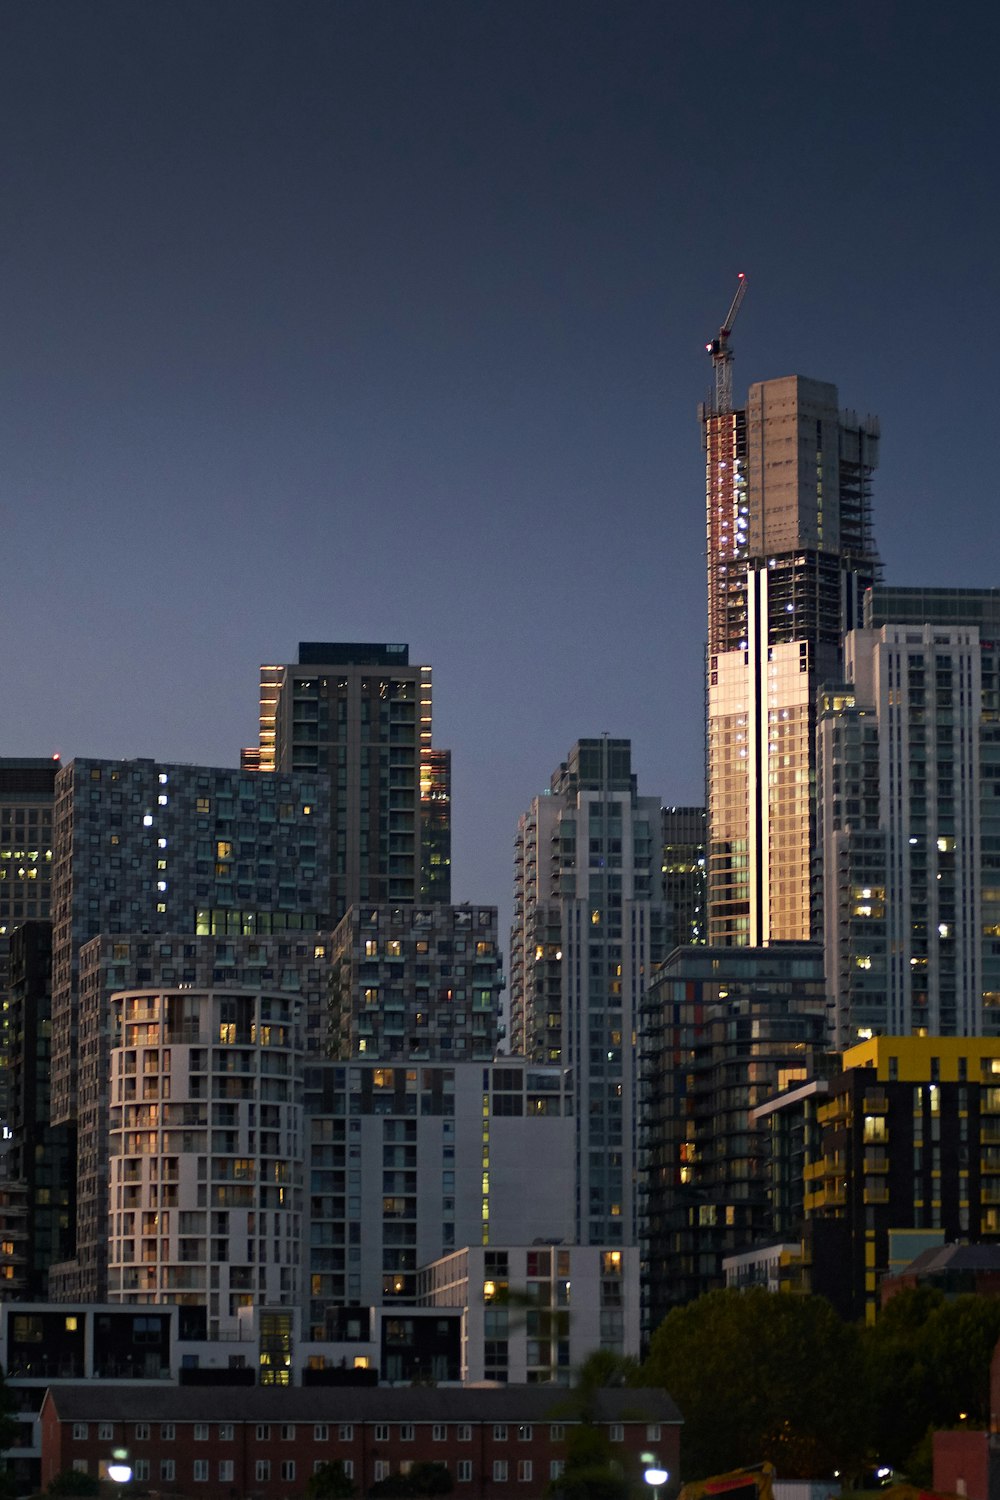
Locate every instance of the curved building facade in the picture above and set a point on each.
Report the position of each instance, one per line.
(205, 1146)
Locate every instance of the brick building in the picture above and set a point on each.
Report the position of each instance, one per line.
(266, 1443)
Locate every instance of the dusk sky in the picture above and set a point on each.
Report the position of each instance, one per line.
(385, 320)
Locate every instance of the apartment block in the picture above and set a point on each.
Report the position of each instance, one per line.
(415, 982)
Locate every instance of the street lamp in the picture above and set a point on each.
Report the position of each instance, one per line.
(654, 1477)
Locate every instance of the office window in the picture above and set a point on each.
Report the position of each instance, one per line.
(200, 1471)
(500, 1471)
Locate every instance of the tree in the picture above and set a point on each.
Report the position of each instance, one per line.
(71, 1482)
(927, 1364)
(591, 1472)
(421, 1479)
(759, 1375)
(329, 1482)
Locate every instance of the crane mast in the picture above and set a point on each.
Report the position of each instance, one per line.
(722, 355)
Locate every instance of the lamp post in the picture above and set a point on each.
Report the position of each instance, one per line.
(654, 1477)
(120, 1473)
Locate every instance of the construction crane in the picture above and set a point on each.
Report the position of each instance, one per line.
(722, 355)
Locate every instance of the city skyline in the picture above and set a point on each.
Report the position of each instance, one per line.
(388, 323)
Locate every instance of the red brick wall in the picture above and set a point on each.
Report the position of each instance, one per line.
(962, 1463)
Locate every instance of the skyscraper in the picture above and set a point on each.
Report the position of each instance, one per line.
(589, 923)
(909, 797)
(359, 715)
(790, 552)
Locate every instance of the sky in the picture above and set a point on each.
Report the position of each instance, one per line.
(386, 320)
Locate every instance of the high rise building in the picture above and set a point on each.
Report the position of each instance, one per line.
(790, 552)
(144, 849)
(909, 798)
(358, 715)
(722, 1030)
(589, 924)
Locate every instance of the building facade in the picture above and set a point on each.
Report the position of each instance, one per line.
(684, 875)
(722, 1029)
(415, 982)
(356, 716)
(790, 551)
(906, 1138)
(533, 1313)
(909, 797)
(590, 923)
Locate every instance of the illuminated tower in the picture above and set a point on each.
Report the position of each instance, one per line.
(790, 552)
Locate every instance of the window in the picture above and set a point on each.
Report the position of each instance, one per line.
(381, 1433)
(200, 1471)
(81, 1430)
(617, 1433)
(142, 1432)
(407, 1432)
(464, 1433)
(263, 1469)
(263, 1432)
(557, 1432)
(141, 1469)
(167, 1468)
(288, 1432)
(288, 1468)
(347, 1465)
(381, 1469)
(226, 1432)
(167, 1432)
(525, 1432)
(556, 1467)
(653, 1432)
(440, 1433)
(227, 1471)
(500, 1432)
(321, 1433)
(79, 1466)
(345, 1432)
(523, 1470)
(201, 1432)
(500, 1471)
(105, 1432)
(464, 1470)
